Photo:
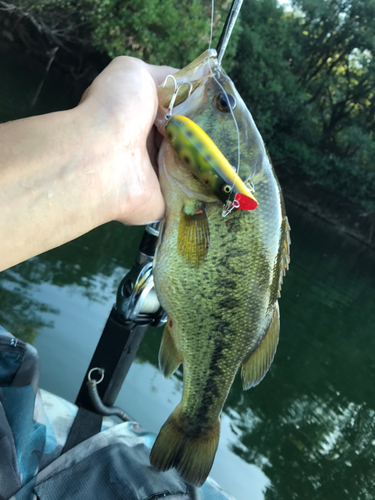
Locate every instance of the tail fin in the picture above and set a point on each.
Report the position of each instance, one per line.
(192, 456)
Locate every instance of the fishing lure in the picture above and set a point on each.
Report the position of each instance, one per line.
(201, 155)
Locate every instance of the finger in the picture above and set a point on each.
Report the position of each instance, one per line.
(152, 149)
(158, 139)
(154, 142)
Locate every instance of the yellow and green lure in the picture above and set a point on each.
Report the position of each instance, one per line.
(201, 155)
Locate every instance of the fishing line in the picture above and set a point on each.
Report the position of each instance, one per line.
(226, 96)
(234, 120)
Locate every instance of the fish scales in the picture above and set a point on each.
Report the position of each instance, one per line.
(216, 277)
(235, 267)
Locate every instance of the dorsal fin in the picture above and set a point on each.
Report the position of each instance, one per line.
(285, 255)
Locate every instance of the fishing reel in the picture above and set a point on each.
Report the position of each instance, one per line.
(137, 307)
(136, 297)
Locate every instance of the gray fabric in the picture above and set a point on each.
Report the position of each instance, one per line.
(22, 437)
(113, 464)
(9, 474)
(119, 471)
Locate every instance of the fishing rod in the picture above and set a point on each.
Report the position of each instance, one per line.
(228, 29)
(136, 308)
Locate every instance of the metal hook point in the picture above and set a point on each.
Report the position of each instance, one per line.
(174, 96)
(173, 78)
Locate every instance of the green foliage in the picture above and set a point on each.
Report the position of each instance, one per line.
(308, 77)
(167, 32)
(155, 30)
(158, 31)
(337, 73)
(262, 72)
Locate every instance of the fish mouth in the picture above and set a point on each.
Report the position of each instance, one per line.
(197, 195)
(188, 80)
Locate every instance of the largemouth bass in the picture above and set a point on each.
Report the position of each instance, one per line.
(217, 276)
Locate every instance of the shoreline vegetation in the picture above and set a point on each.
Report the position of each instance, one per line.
(306, 72)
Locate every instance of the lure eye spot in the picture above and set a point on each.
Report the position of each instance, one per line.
(225, 102)
(227, 188)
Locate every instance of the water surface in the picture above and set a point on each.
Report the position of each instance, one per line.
(307, 431)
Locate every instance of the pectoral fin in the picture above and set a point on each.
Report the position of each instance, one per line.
(169, 357)
(255, 368)
(193, 236)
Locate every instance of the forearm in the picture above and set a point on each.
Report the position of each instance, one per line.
(65, 173)
(49, 175)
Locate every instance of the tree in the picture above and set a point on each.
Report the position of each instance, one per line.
(337, 73)
(308, 77)
(158, 31)
(262, 68)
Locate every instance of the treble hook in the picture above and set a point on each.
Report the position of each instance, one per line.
(228, 207)
(174, 96)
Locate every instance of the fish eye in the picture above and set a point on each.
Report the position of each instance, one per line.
(227, 188)
(224, 102)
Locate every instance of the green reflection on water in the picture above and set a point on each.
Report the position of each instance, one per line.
(309, 426)
(86, 263)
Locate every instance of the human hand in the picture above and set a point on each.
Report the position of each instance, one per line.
(122, 103)
(63, 174)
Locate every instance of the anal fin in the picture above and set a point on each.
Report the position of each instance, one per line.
(169, 356)
(194, 236)
(255, 368)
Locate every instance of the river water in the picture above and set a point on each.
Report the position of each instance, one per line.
(307, 431)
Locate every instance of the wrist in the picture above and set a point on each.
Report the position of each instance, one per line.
(100, 151)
